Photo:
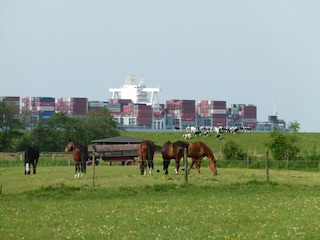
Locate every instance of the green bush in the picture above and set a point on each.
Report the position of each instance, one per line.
(232, 150)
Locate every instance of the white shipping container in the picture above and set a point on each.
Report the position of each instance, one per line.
(96, 104)
(45, 108)
(219, 111)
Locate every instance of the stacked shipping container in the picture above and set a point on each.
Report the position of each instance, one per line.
(44, 107)
(181, 112)
(95, 106)
(72, 106)
(181, 108)
(249, 115)
(213, 109)
(127, 109)
(244, 113)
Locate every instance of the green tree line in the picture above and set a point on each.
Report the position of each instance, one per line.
(52, 135)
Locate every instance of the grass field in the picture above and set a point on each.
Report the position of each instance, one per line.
(235, 204)
(122, 204)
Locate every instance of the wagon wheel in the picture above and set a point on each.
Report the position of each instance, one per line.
(89, 163)
(129, 162)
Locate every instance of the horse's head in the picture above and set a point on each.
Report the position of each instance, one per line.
(69, 146)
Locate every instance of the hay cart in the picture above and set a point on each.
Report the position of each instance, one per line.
(118, 149)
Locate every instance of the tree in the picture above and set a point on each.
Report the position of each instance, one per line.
(294, 126)
(10, 125)
(100, 125)
(283, 146)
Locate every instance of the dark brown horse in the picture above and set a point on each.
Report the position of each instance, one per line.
(31, 156)
(146, 152)
(80, 157)
(172, 151)
(199, 150)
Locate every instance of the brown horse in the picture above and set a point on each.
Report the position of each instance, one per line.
(80, 157)
(172, 151)
(146, 152)
(195, 150)
(199, 150)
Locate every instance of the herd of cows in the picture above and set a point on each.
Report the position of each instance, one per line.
(205, 131)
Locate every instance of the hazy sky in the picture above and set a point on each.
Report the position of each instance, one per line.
(251, 52)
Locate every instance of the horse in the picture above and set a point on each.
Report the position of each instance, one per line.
(199, 150)
(146, 151)
(31, 156)
(172, 151)
(80, 157)
(195, 150)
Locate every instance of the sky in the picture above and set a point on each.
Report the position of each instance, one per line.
(241, 52)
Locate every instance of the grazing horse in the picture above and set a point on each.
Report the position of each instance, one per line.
(146, 152)
(199, 150)
(31, 156)
(172, 151)
(80, 157)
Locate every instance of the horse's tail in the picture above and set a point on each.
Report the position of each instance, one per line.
(84, 158)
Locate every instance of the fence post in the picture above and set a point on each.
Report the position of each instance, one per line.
(267, 165)
(93, 165)
(185, 159)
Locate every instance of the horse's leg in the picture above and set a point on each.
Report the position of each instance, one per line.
(78, 169)
(26, 168)
(76, 164)
(83, 168)
(144, 167)
(199, 164)
(141, 166)
(83, 162)
(192, 163)
(150, 166)
(166, 163)
(177, 166)
(34, 167)
(150, 158)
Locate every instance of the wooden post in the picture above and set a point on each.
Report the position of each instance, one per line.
(185, 159)
(68, 158)
(267, 165)
(93, 166)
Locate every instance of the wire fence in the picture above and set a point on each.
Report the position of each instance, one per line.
(63, 159)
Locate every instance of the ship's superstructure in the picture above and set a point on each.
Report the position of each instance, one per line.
(138, 93)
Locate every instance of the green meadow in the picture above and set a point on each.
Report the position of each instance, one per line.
(119, 203)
